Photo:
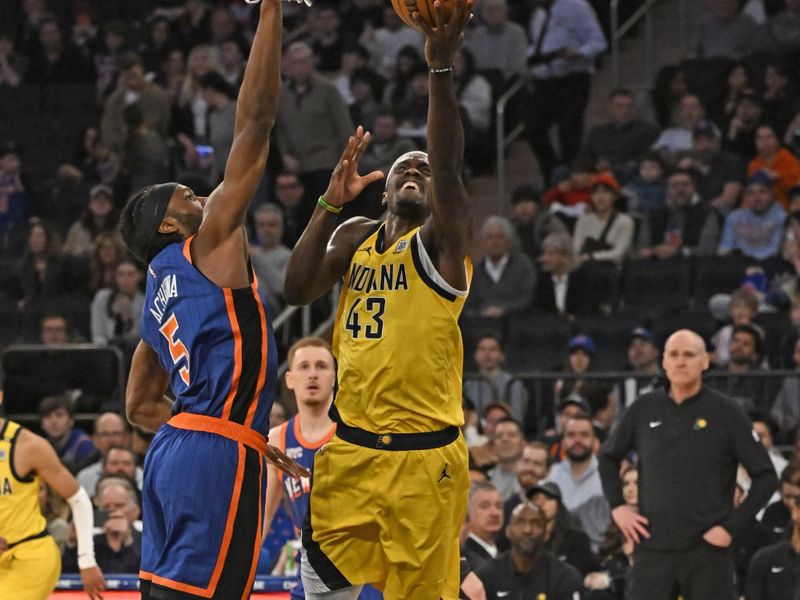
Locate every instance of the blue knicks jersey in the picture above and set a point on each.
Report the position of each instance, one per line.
(291, 441)
(216, 343)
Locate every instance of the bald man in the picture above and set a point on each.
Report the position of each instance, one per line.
(689, 440)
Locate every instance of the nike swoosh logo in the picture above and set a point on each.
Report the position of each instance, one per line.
(776, 569)
(502, 594)
(655, 424)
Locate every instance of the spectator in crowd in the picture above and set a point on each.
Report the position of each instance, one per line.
(118, 548)
(496, 384)
(288, 195)
(532, 224)
(579, 479)
(44, 275)
(72, 445)
(108, 252)
(190, 113)
(756, 229)
(55, 60)
(158, 44)
(323, 25)
(737, 83)
(668, 90)
(563, 536)
(777, 515)
(366, 90)
(385, 43)
(133, 88)
(766, 429)
(602, 404)
(384, 145)
(785, 408)
(484, 454)
(566, 39)
(145, 157)
(742, 309)
(484, 524)
(569, 198)
(722, 172)
(773, 573)
(270, 257)
(643, 355)
(571, 406)
(783, 28)
(528, 570)
(13, 65)
(110, 431)
(398, 88)
(780, 101)
(54, 330)
(504, 279)
(171, 75)
(618, 144)
(474, 96)
(508, 445)
(646, 192)
(119, 461)
(111, 39)
(580, 351)
(99, 217)
(223, 27)
(604, 233)
(311, 132)
(354, 58)
(231, 63)
(533, 467)
(560, 287)
(747, 355)
(728, 33)
(221, 99)
(116, 311)
(13, 201)
(686, 225)
(498, 43)
(412, 111)
(740, 133)
(781, 165)
(686, 480)
(673, 140)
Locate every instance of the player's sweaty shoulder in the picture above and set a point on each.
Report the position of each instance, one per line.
(354, 231)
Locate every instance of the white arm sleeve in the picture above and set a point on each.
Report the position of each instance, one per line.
(83, 517)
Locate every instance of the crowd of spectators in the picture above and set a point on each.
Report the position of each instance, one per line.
(682, 208)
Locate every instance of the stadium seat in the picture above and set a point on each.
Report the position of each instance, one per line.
(775, 326)
(611, 336)
(536, 343)
(651, 286)
(603, 276)
(717, 275)
(698, 320)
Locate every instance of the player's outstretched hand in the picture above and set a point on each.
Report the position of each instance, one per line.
(442, 41)
(93, 583)
(346, 183)
(286, 464)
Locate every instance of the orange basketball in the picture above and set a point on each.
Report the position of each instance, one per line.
(406, 8)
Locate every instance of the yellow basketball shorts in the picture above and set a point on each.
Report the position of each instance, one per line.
(30, 571)
(390, 518)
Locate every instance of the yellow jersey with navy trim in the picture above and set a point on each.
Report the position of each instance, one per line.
(20, 514)
(397, 341)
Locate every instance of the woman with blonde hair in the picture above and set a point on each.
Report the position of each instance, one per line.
(560, 287)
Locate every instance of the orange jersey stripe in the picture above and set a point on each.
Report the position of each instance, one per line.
(237, 354)
(262, 373)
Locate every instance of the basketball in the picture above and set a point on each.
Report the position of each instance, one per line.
(406, 8)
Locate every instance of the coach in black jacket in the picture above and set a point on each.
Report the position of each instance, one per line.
(690, 441)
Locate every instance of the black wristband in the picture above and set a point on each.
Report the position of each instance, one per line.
(440, 71)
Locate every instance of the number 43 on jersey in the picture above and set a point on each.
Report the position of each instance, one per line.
(373, 309)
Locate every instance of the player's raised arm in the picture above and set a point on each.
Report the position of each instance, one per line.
(323, 252)
(448, 227)
(256, 108)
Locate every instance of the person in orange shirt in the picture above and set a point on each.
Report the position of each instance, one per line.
(781, 165)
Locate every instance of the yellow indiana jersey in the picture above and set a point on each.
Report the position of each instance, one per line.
(20, 514)
(397, 340)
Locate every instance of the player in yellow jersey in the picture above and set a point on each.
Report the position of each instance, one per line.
(389, 490)
(29, 559)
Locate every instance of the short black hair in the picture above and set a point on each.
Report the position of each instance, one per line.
(130, 218)
(758, 340)
(510, 420)
(596, 394)
(214, 81)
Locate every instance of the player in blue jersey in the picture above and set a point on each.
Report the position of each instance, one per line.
(311, 376)
(205, 334)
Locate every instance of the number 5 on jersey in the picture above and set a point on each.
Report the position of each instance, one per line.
(372, 331)
(176, 347)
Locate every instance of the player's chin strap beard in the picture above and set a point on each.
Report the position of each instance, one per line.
(150, 219)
